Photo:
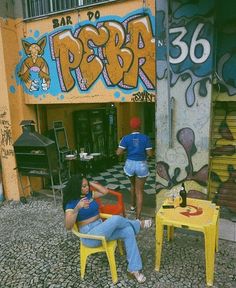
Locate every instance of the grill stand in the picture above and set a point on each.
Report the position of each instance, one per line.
(53, 186)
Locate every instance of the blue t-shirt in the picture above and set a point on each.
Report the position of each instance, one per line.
(84, 213)
(136, 145)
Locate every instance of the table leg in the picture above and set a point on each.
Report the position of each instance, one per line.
(159, 240)
(217, 235)
(210, 241)
(170, 233)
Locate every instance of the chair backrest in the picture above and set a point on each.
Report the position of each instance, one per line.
(114, 208)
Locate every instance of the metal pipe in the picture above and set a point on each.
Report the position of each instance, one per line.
(156, 45)
(170, 112)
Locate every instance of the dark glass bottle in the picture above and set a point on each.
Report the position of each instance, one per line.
(183, 196)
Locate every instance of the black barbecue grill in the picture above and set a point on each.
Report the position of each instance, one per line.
(36, 155)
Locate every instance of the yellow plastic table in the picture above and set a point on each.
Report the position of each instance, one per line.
(199, 215)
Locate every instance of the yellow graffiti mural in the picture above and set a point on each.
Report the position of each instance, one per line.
(141, 28)
(64, 45)
(122, 55)
(115, 43)
(91, 69)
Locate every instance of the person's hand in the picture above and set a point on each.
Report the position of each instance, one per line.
(93, 182)
(83, 203)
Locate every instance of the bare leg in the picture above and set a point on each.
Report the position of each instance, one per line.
(132, 191)
(139, 188)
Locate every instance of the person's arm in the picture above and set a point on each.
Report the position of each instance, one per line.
(71, 214)
(149, 152)
(120, 151)
(149, 149)
(122, 147)
(98, 189)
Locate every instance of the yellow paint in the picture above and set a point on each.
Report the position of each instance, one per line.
(7, 153)
(12, 108)
(219, 164)
(206, 222)
(16, 105)
(111, 37)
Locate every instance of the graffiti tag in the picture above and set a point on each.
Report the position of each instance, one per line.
(6, 136)
(91, 14)
(62, 22)
(143, 97)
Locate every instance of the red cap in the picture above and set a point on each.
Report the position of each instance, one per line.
(135, 123)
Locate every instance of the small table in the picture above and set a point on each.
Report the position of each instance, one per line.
(199, 215)
(85, 165)
(69, 158)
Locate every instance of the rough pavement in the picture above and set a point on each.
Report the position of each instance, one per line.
(36, 251)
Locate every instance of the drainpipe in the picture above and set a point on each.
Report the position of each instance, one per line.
(156, 44)
(170, 102)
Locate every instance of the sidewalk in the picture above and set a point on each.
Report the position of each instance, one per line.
(36, 251)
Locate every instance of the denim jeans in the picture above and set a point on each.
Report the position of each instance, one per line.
(117, 227)
(136, 168)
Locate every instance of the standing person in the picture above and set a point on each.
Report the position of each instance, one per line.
(138, 146)
(80, 208)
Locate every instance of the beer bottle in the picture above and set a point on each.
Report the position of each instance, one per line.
(183, 196)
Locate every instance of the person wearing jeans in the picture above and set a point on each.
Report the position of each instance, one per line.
(137, 146)
(81, 208)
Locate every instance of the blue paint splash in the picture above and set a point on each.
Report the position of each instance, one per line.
(36, 34)
(117, 94)
(12, 89)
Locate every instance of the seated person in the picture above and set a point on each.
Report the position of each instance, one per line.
(80, 208)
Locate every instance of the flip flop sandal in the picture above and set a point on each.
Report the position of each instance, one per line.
(139, 277)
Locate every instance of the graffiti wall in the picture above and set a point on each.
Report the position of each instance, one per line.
(184, 69)
(223, 155)
(225, 75)
(98, 57)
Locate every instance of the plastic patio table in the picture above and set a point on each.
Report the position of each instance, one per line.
(199, 215)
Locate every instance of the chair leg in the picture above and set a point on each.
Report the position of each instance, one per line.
(83, 259)
(120, 247)
(111, 259)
